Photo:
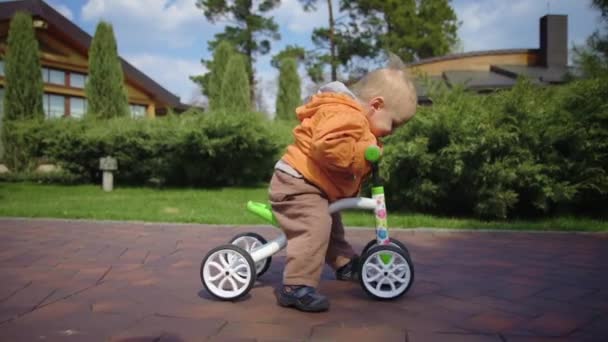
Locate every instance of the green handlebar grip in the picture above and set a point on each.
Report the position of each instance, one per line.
(372, 154)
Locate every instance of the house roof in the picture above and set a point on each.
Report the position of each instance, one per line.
(82, 41)
(478, 80)
(471, 54)
(539, 73)
(497, 76)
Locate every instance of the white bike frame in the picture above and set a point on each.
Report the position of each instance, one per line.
(377, 204)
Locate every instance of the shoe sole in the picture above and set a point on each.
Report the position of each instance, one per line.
(295, 304)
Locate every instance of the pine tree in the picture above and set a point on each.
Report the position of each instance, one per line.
(249, 30)
(413, 29)
(289, 92)
(24, 91)
(105, 88)
(234, 96)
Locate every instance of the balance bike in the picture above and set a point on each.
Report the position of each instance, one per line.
(386, 271)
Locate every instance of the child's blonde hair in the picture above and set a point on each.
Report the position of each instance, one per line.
(392, 82)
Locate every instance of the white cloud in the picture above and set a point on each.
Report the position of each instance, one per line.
(170, 72)
(63, 9)
(291, 14)
(164, 14)
(173, 24)
(165, 39)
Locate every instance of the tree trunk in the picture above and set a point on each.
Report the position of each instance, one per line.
(249, 53)
(332, 43)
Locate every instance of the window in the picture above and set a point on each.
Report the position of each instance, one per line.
(45, 75)
(77, 80)
(78, 107)
(138, 111)
(57, 77)
(54, 105)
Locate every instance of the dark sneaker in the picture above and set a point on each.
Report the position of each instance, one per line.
(350, 271)
(304, 298)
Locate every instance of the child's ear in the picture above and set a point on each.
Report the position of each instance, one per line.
(377, 103)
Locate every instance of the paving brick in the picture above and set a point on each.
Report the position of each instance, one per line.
(493, 322)
(367, 333)
(452, 337)
(165, 328)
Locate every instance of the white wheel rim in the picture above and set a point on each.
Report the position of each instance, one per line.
(250, 243)
(227, 273)
(390, 244)
(386, 280)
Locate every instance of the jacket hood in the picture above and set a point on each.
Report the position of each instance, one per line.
(326, 97)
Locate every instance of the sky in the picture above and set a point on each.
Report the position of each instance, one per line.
(166, 39)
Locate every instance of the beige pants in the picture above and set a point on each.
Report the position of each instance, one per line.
(313, 235)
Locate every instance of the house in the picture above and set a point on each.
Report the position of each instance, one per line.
(64, 59)
(488, 71)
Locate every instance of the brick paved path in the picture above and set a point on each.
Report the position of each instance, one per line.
(100, 281)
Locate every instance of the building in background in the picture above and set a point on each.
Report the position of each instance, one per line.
(64, 59)
(488, 71)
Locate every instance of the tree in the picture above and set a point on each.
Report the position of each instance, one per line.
(249, 30)
(211, 82)
(335, 45)
(290, 51)
(289, 91)
(321, 35)
(592, 58)
(105, 88)
(412, 29)
(24, 90)
(234, 95)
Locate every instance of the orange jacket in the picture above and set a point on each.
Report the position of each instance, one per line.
(330, 143)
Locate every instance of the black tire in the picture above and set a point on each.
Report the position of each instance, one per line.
(388, 249)
(393, 242)
(263, 241)
(245, 255)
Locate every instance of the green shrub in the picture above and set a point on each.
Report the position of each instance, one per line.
(527, 151)
(54, 177)
(23, 79)
(105, 89)
(214, 149)
(288, 92)
(235, 90)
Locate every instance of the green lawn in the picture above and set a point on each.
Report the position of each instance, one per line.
(213, 206)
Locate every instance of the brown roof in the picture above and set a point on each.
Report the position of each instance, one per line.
(82, 40)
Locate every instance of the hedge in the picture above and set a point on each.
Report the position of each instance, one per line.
(530, 151)
(189, 150)
(526, 152)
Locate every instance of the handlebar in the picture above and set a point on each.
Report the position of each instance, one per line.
(372, 155)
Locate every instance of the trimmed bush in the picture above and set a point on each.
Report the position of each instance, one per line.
(234, 93)
(105, 88)
(23, 98)
(188, 150)
(289, 93)
(528, 151)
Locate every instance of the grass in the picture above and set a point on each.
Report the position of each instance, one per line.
(216, 206)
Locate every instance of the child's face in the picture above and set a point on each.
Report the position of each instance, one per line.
(384, 121)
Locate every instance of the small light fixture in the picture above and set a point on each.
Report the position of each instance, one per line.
(39, 23)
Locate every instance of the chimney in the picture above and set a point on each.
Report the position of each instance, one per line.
(554, 40)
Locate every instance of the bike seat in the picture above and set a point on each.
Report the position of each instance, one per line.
(263, 210)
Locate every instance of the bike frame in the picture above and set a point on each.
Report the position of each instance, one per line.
(376, 203)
